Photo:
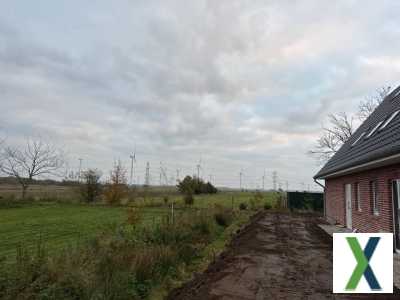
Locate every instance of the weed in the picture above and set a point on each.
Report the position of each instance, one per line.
(242, 206)
(188, 199)
(134, 216)
(267, 206)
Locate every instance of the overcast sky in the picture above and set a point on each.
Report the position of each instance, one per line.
(241, 85)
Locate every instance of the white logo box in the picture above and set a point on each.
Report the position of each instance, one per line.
(344, 262)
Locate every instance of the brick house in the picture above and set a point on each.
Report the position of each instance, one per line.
(362, 180)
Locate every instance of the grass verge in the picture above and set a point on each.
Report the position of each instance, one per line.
(125, 261)
(206, 256)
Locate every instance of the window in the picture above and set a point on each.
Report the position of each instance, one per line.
(375, 197)
(390, 119)
(374, 129)
(358, 196)
(359, 138)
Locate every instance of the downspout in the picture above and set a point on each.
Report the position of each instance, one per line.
(323, 187)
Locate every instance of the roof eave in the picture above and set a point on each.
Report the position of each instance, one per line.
(381, 162)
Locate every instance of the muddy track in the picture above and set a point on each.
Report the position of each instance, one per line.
(277, 256)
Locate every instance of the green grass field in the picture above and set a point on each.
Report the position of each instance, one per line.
(58, 225)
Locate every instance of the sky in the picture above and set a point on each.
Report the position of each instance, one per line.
(233, 86)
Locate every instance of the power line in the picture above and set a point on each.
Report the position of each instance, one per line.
(133, 158)
(147, 181)
(263, 181)
(274, 179)
(80, 169)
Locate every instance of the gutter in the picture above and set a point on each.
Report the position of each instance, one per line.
(320, 184)
(323, 187)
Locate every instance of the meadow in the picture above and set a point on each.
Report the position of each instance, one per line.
(55, 246)
(60, 224)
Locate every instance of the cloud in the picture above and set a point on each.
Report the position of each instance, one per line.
(239, 84)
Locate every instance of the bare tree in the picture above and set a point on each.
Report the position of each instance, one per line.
(37, 158)
(370, 103)
(117, 188)
(334, 136)
(341, 126)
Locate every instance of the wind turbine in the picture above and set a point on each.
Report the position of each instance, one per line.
(198, 169)
(133, 161)
(163, 174)
(241, 175)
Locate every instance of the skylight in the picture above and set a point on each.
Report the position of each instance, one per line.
(359, 138)
(375, 129)
(390, 119)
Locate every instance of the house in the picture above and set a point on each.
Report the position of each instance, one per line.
(362, 180)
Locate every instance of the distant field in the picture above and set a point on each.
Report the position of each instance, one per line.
(56, 192)
(58, 225)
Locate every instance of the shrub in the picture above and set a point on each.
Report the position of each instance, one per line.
(267, 206)
(194, 185)
(189, 199)
(117, 188)
(91, 188)
(253, 204)
(256, 200)
(166, 200)
(223, 218)
(114, 193)
(242, 206)
(203, 225)
(258, 196)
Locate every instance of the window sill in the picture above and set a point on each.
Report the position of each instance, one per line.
(376, 213)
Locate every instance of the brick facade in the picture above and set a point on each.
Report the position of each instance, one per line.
(364, 220)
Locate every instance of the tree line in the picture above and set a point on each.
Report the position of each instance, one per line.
(194, 185)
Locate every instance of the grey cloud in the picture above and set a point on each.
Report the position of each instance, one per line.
(241, 84)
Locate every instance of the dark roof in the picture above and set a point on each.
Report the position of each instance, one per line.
(381, 144)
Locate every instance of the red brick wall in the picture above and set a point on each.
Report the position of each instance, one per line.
(364, 220)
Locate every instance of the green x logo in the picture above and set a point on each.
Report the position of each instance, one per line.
(363, 267)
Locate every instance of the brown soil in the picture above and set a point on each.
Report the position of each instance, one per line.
(277, 256)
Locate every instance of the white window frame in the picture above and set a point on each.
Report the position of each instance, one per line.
(386, 123)
(359, 138)
(358, 195)
(374, 129)
(375, 197)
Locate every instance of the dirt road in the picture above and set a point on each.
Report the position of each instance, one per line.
(277, 256)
